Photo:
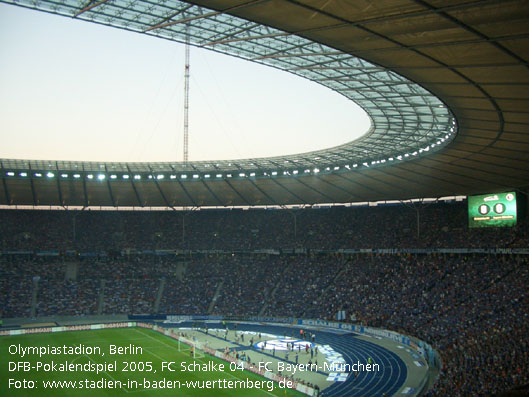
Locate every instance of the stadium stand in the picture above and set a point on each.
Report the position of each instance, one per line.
(472, 307)
(441, 226)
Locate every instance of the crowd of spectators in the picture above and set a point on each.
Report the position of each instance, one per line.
(441, 225)
(66, 297)
(247, 285)
(473, 308)
(302, 281)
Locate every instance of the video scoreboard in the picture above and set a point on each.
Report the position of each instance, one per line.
(492, 210)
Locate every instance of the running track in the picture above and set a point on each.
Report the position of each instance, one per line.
(388, 380)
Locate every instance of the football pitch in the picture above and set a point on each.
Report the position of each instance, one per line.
(121, 361)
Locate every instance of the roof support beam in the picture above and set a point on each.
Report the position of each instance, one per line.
(314, 190)
(162, 193)
(301, 55)
(350, 193)
(110, 193)
(183, 188)
(349, 180)
(183, 20)
(89, 6)
(140, 203)
(59, 190)
(263, 192)
(180, 11)
(289, 191)
(201, 16)
(187, 194)
(33, 193)
(213, 194)
(248, 38)
(237, 192)
(160, 189)
(6, 191)
(85, 191)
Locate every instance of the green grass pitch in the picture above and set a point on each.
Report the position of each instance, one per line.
(127, 378)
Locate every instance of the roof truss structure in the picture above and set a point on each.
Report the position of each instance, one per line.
(444, 83)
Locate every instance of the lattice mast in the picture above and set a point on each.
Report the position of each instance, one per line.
(186, 99)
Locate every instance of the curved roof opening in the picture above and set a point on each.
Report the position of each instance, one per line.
(80, 91)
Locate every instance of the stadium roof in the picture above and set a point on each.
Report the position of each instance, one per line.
(444, 82)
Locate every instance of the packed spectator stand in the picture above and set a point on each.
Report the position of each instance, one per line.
(472, 307)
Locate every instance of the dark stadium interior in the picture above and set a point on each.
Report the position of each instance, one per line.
(472, 307)
(412, 267)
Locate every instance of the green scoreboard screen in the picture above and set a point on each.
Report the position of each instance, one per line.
(492, 210)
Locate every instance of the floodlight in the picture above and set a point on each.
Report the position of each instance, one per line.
(50, 174)
(90, 176)
(101, 177)
(76, 176)
(10, 173)
(64, 175)
(113, 176)
(23, 174)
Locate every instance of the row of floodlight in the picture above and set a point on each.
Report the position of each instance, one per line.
(161, 176)
(102, 177)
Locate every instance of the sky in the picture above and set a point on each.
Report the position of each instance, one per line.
(74, 90)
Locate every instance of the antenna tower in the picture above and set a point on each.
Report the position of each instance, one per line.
(186, 99)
